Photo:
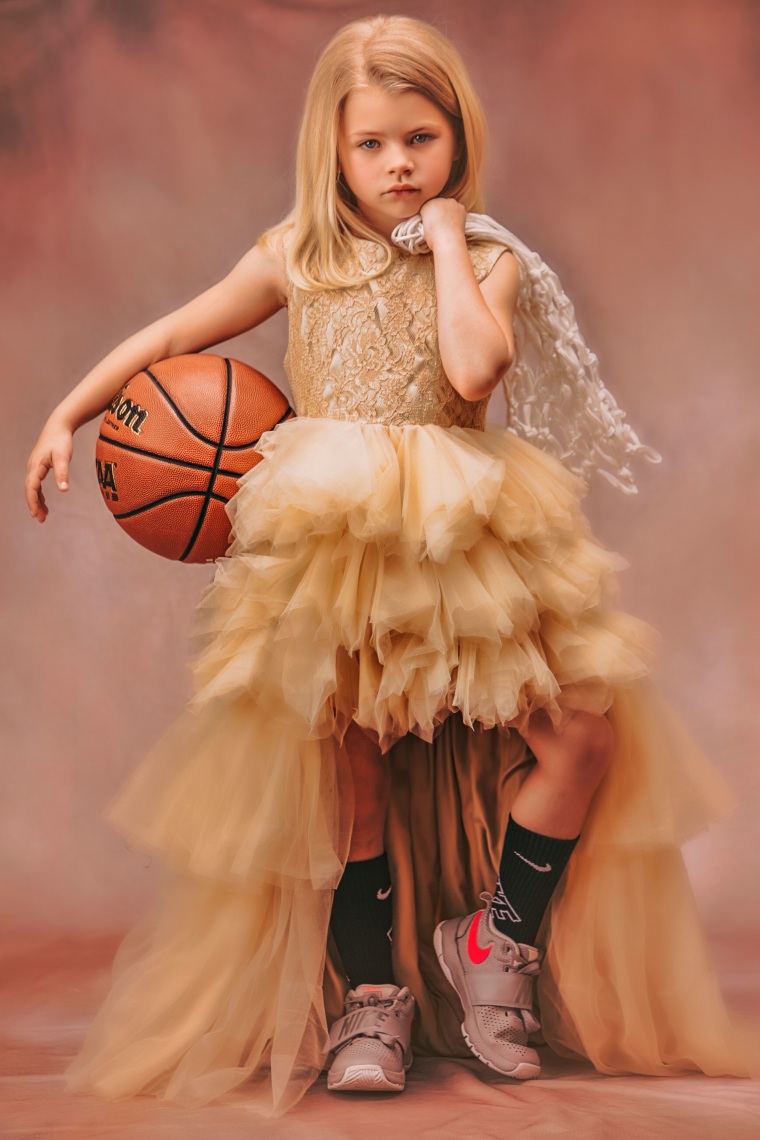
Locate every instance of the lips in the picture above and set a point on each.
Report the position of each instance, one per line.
(402, 190)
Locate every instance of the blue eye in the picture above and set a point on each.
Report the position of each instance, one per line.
(419, 135)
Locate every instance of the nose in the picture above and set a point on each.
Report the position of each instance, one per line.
(399, 159)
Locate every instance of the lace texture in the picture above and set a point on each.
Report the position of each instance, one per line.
(370, 353)
(555, 397)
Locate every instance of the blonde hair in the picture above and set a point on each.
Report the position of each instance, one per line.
(396, 54)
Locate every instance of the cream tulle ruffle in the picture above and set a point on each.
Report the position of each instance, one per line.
(424, 568)
(438, 586)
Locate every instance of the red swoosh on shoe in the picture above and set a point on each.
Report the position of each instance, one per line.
(477, 954)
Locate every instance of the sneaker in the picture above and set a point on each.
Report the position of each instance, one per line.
(493, 976)
(371, 1040)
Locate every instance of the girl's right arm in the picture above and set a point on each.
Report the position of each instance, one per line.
(251, 292)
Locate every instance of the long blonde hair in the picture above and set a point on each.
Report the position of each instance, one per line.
(396, 54)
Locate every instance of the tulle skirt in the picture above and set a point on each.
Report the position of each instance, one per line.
(438, 586)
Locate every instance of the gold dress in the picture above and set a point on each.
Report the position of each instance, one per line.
(396, 562)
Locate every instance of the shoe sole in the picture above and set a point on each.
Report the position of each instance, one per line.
(523, 1071)
(365, 1078)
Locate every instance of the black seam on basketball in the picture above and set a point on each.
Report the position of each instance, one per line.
(171, 459)
(167, 499)
(170, 401)
(217, 459)
(242, 446)
(189, 426)
(285, 416)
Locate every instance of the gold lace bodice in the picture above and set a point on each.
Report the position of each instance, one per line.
(370, 352)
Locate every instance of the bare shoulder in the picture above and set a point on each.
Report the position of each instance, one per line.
(277, 253)
(265, 261)
(504, 275)
(500, 289)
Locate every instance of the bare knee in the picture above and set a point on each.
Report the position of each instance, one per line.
(581, 750)
(589, 742)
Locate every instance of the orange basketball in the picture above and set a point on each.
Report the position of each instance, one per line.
(173, 444)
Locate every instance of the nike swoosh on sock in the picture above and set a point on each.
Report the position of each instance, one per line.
(535, 866)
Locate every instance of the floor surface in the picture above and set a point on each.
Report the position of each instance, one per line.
(49, 990)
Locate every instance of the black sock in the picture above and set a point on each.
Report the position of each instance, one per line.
(522, 890)
(361, 921)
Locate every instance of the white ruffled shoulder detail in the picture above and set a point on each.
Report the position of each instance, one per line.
(556, 398)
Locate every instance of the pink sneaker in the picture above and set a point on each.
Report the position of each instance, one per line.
(371, 1040)
(493, 976)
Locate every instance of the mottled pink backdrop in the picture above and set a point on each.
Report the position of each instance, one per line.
(146, 144)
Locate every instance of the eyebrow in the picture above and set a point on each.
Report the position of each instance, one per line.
(415, 130)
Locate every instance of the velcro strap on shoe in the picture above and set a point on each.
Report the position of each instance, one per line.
(509, 989)
(372, 1021)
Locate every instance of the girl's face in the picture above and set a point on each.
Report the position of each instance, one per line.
(388, 140)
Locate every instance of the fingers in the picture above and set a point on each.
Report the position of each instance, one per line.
(35, 499)
(53, 450)
(42, 509)
(61, 468)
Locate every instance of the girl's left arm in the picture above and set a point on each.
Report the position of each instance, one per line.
(475, 335)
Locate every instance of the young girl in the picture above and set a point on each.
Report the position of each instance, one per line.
(410, 686)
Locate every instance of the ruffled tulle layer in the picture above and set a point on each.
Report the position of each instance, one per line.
(427, 570)
(439, 586)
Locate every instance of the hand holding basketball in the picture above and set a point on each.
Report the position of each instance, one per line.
(173, 444)
(53, 450)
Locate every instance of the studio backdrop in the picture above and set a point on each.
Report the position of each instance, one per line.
(145, 145)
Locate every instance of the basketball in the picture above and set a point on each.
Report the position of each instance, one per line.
(174, 442)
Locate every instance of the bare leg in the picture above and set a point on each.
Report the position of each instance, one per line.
(371, 774)
(545, 820)
(555, 796)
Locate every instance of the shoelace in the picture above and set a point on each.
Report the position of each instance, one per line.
(362, 1003)
(400, 1000)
